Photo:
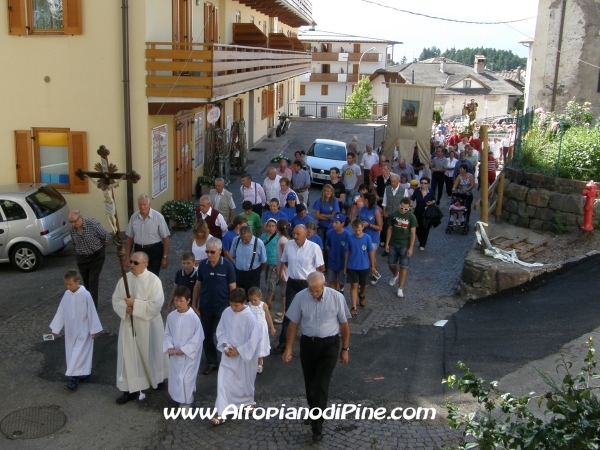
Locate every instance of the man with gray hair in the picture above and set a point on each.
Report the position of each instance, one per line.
(271, 185)
(213, 218)
(369, 159)
(321, 314)
(147, 232)
(222, 200)
(141, 362)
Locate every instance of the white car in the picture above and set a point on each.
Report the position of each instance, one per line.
(322, 155)
(34, 222)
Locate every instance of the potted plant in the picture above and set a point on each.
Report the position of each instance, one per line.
(204, 181)
(275, 160)
(180, 213)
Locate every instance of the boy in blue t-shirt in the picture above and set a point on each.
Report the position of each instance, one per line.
(336, 243)
(301, 217)
(359, 261)
(187, 276)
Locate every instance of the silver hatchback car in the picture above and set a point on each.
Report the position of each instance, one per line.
(34, 222)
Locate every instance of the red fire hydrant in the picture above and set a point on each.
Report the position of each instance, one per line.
(590, 194)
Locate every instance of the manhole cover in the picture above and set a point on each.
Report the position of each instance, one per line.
(31, 423)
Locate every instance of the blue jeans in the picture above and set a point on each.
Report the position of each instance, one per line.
(397, 256)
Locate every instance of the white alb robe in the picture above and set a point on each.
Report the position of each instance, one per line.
(78, 315)
(237, 373)
(183, 331)
(141, 362)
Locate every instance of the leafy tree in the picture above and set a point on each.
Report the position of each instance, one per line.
(359, 103)
(437, 114)
(572, 411)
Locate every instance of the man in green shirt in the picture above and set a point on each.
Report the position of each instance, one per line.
(253, 219)
(399, 243)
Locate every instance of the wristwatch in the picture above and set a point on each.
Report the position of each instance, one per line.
(346, 348)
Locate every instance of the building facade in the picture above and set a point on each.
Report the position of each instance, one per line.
(66, 92)
(335, 66)
(565, 55)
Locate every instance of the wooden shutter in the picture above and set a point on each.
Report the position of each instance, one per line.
(271, 103)
(77, 160)
(16, 18)
(263, 107)
(175, 22)
(215, 37)
(72, 17)
(24, 156)
(302, 89)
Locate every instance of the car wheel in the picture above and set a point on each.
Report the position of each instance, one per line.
(25, 257)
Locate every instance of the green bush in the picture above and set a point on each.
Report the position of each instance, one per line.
(572, 411)
(183, 212)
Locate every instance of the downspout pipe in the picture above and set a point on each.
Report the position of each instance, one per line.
(127, 103)
(558, 50)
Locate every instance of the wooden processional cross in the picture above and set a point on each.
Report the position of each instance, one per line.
(106, 177)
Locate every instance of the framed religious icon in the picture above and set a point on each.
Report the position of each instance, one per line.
(409, 116)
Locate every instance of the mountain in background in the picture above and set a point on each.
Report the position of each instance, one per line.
(496, 60)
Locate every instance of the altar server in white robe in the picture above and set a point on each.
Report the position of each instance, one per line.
(238, 337)
(77, 314)
(141, 361)
(183, 344)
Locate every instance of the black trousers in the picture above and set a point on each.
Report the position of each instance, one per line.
(449, 185)
(318, 357)
(437, 183)
(422, 231)
(246, 279)
(291, 289)
(155, 255)
(210, 320)
(90, 267)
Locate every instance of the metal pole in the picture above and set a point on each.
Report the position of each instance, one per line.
(359, 61)
(483, 172)
(127, 103)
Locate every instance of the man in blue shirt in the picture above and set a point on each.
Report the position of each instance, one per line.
(250, 258)
(216, 278)
(238, 222)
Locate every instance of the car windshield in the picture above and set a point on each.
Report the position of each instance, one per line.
(45, 201)
(328, 151)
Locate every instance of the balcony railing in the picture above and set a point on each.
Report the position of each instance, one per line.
(335, 77)
(210, 72)
(334, 56)
(333, 110)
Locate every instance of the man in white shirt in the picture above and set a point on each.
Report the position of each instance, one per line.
(369, 159)
(215, 221)
(271, 184)
(301, 257)
(439, 138)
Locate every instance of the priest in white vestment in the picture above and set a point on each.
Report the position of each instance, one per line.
(77, 314)
(183, 337)
(239, 330)
(141, 361)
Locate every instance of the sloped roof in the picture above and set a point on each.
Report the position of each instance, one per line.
(427, 72)
(313, 35)
(516, 75)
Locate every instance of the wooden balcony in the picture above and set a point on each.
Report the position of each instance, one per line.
(196, 73)
(333, 78)
(294, 13)
(335, 56)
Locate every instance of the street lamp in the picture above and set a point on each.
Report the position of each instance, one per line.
(359, 61)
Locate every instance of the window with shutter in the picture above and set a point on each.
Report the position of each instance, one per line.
(44, 17)
(302, 89)
(263, 107)
(271, 103)
(54, 158)
(324, 89)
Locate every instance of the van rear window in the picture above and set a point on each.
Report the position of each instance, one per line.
(45, 201)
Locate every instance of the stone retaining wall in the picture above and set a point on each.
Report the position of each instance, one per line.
(544, 203)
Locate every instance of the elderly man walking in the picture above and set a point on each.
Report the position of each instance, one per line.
(222, 200)
(90, 240)
(254, 193)
(321, 314)
(369, 159)
(216, 278)
(147, 232)
(250, 258)
(213, 218)
(301, 257)
(141, 362)
(271, 184)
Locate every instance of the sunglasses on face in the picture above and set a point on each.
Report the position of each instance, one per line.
(136, 263)
(211, 252)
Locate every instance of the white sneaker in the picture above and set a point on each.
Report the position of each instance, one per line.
(400, 293)
(394, 280)
(421, 248)
(259, 369)
(278, 320)
(375, 277)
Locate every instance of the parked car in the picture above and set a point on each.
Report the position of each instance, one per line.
(322, 155)
(34, 222)
(508, 120)
(458, 120)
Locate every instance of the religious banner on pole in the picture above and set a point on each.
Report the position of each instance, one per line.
(160, 180)
(198, 139)
(409, 121)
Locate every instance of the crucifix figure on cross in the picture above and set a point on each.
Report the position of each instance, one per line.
(106, 177)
